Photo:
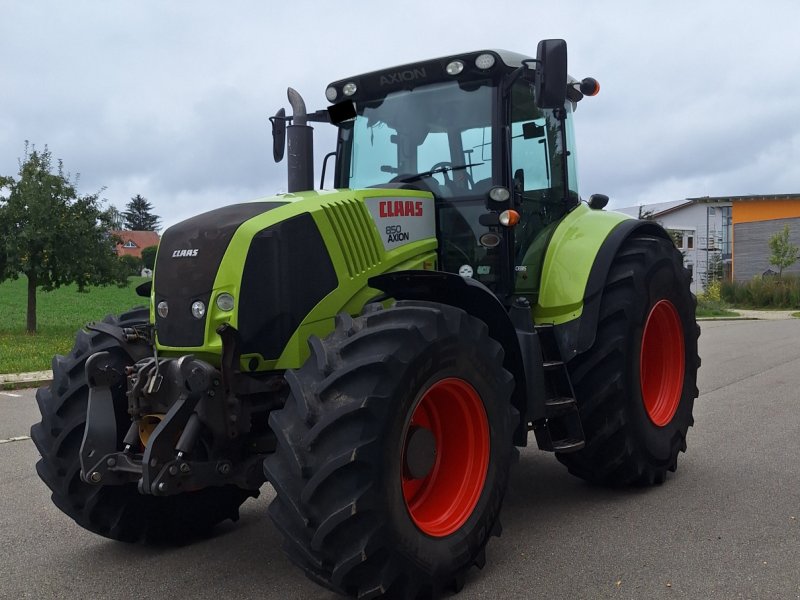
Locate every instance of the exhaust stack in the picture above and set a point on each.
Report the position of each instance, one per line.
(300, 146)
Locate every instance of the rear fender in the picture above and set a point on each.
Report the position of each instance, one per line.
(575, 269)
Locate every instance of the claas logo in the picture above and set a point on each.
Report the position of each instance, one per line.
(400, 208)
(184, 253)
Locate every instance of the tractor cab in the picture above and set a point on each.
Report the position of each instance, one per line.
(487, 133)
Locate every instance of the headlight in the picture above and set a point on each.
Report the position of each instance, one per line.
(225, 301)
(198, 309)
(484, 61)
(163, 309)
(455, 67)
(499, 194)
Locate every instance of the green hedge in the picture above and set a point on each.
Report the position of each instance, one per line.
(763, 292)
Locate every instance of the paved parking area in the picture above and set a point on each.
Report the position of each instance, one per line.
(725, 526)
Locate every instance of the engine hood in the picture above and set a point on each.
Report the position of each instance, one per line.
(189, 256)
(290, 262)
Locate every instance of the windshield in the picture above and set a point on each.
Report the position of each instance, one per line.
(439, 136)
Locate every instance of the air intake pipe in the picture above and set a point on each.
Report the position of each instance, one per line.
(300, 146)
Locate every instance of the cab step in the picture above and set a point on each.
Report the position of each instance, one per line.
(560, 430)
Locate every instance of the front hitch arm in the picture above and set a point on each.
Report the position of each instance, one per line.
(199, 379)
(100, 433)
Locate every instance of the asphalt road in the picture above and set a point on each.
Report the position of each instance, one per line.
(726, 525)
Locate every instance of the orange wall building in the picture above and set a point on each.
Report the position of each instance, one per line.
(755, 220)
(731, 231)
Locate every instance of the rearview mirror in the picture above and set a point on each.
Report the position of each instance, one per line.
(551, 74)
(278, 134)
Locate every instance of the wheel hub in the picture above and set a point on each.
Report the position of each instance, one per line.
(420, 452)
(662, 364)
(446, 457)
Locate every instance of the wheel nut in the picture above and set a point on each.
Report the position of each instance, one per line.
(173, 470)
(224, 469)
(111, 462)
(162, 487)
(184, 467)
(95, 477)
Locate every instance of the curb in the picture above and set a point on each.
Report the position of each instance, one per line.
(729, 319)
(16, 381)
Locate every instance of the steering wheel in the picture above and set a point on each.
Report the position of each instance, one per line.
(456, 184)
(443, 167)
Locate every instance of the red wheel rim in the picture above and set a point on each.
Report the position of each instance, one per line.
(661, 364)
(441, 501)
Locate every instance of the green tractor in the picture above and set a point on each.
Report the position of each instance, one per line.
(378, 351)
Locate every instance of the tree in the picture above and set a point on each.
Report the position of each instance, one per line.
(645, 213)
(50, 234)
(676, 235)
(115, 218)
(784, 252)
(139, 216)
(715, 270)
(149, 257)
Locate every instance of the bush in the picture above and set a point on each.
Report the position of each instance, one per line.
(149, 257)
(130, 265)
(713, 292)
(763, 292)
(711, 303)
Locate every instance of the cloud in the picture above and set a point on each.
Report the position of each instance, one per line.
(171, 101)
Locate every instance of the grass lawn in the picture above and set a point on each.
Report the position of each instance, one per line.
(60, 314)
(796, 315)
(703, 311)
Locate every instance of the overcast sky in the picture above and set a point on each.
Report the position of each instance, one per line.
(170, 99)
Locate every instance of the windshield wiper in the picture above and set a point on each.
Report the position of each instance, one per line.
(434, 171)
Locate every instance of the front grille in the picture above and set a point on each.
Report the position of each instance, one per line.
(286, 273)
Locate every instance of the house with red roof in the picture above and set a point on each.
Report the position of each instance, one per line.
(133, 242)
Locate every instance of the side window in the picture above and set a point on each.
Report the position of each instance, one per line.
(529, 154)
(531, 141)
(374, 155)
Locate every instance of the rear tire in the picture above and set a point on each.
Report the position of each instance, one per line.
(116, 512)
(636, 385)
(363, 508)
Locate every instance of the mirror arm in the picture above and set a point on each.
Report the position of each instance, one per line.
(319, 116)
(515, 74)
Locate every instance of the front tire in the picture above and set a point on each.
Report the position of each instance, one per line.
(118, 512)
(636, 385)
(365, 506)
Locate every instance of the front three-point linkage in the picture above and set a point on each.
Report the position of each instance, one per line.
(170, 458)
